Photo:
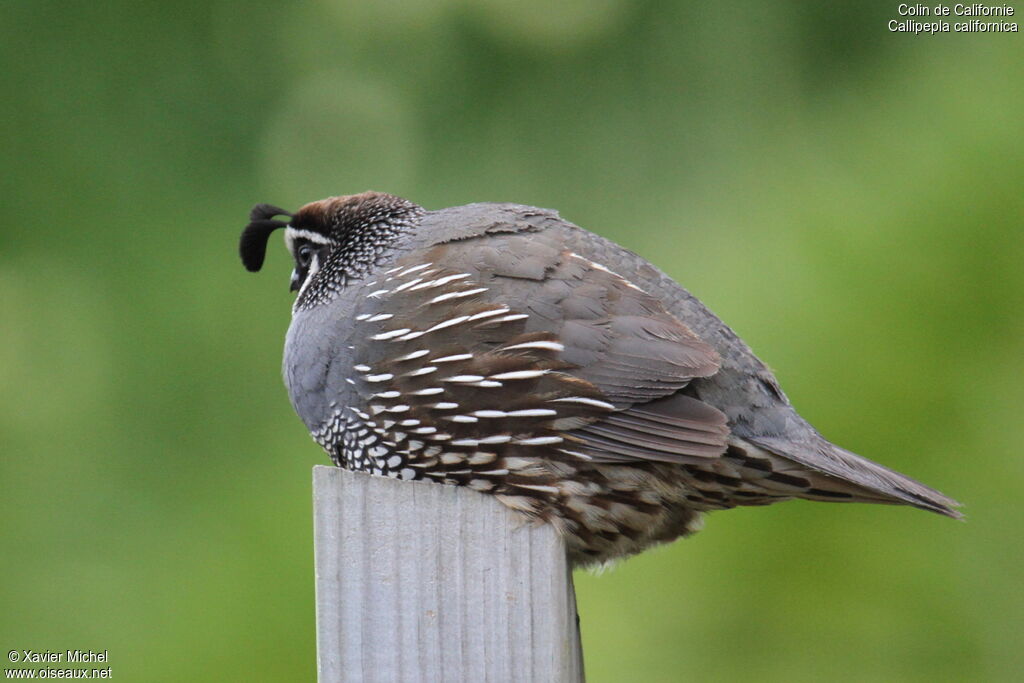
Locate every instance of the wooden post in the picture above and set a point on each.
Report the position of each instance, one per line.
(426, 582)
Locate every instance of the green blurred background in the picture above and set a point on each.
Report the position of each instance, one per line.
(848, 199)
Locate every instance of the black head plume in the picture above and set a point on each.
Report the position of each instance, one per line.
(253, 245)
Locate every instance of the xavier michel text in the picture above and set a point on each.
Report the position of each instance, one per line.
(62, 656)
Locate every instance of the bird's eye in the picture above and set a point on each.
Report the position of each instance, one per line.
(304, 255)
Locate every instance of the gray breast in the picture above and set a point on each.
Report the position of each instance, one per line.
(317, 360)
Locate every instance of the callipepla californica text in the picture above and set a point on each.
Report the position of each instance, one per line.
(499, 347)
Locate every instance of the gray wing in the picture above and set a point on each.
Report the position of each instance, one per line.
(580, 353)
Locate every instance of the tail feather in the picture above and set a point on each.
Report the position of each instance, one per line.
(847, 474)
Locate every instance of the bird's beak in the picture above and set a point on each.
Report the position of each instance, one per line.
(295, 282)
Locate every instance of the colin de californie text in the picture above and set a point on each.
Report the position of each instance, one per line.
(957, 18)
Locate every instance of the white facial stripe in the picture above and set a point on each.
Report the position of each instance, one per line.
(292, 233)
(314, 268)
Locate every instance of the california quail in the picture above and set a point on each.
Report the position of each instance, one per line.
(499, 347)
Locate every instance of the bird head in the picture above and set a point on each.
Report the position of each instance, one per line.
(331, 240)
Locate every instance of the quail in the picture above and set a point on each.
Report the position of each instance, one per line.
(502, 348)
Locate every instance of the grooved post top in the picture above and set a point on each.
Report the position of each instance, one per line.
(426, 582)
